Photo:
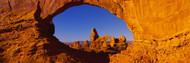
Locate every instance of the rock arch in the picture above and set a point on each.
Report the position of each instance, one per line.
(26, 29)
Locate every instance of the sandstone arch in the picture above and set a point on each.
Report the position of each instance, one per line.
(101, 40)
(26, 29)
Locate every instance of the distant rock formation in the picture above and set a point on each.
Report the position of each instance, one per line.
(77, 45)
(94, 35)
(122, 39)
(121, 43)
(85, 44)
(99, 43)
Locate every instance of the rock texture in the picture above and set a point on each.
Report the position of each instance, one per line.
(101, 44)
(160, 27)
(94, 35)
(122, 39)
(85, 44)
(77, 45)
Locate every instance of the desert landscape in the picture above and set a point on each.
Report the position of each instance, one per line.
(99, 44)
(160, 28)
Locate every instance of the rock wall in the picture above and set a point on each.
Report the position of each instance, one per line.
(160, 27)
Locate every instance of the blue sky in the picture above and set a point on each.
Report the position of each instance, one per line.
(75, 24)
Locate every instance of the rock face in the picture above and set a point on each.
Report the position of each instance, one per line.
(94, 35)
(98, 43)
(122, 39)
(160, 27)
(85, 44)
(77, 45)
(101, 44)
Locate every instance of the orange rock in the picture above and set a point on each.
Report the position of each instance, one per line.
(99, 42)
(122, 39)
(112, 42)
(121, 44)
(94, 35)
(85, 44)
(77, 45)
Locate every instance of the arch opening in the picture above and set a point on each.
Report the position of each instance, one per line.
(108, 40)
(84, 17)
(75, 26)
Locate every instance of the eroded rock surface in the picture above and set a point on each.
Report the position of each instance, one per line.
(101, 45)
(160, 28)
(77, 45)
(113, 46)
(94, 35)
(85, 44)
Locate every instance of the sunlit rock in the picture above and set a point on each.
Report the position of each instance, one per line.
(94, 35)
(77, 45)
(85, 44)
(122, 39)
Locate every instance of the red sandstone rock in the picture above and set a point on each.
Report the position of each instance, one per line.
(94, 35)
(115, 45)
(122, 39)
(77, 45)
(85, 44)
